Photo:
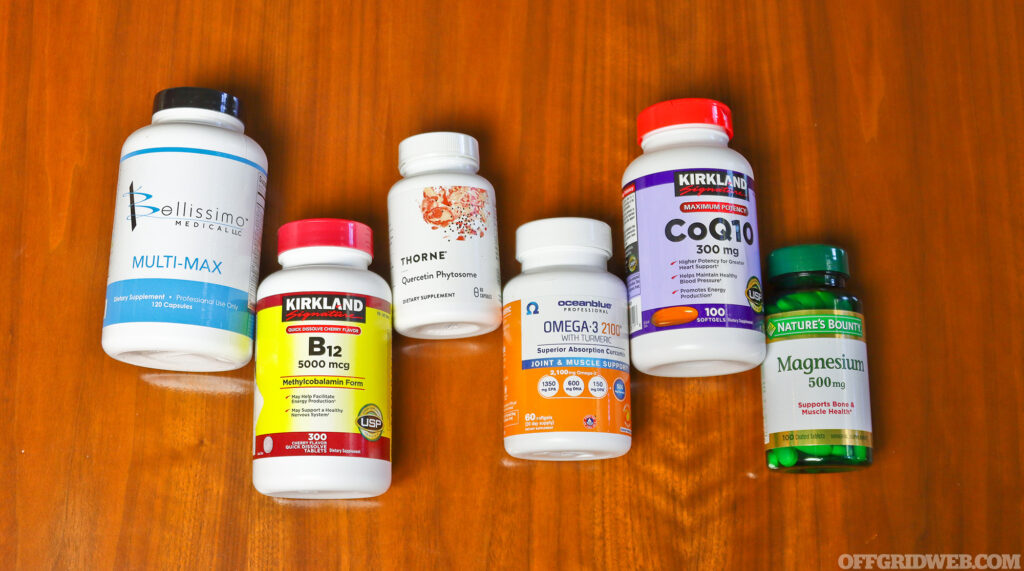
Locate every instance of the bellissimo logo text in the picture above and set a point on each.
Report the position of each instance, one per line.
(182, 213)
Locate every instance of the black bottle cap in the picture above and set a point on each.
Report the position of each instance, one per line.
(198, 98)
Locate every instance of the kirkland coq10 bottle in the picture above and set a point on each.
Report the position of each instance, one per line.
(694, 273)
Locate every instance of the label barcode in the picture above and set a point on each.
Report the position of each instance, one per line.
(634, 315)
(629, 219)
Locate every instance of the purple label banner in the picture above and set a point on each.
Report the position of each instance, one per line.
(708, 315)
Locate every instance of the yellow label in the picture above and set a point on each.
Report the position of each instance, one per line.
(323, 376)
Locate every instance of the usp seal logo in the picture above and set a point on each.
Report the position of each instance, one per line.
(370, 422)
(755, 297)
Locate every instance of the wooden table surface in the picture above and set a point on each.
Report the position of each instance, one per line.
(890, 128)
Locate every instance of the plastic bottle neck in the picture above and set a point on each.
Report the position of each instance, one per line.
(554, 257)
(809, 279)
(325, 255)
(437, 164)
(198, 116)
(698, 134)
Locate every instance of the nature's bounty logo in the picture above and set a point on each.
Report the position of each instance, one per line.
(822, 323)
(370, 422)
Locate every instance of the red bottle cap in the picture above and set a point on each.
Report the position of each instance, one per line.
(325, 232)
(682, 112)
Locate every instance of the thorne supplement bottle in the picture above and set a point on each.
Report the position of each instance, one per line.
(814, 381)
(693, 268)
(444, 240)
(188, 219)
(566, 354)
(322, 420)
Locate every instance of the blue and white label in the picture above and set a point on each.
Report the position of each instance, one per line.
(178, 301)
(574, 331)
(186, 242)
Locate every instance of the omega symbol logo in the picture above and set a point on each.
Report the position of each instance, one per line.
(532, 308)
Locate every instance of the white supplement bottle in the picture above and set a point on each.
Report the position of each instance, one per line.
(692, 257)
(444, 240)
(566, 347)
(322, 404)
(185, 252)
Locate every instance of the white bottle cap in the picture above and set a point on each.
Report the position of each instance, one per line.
(563, 233)
(441, 145)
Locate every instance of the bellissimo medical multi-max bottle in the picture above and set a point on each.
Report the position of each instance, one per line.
(188, 220)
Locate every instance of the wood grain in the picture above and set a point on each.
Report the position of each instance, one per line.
(891, 128)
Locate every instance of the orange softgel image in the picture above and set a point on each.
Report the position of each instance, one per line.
(677, 315)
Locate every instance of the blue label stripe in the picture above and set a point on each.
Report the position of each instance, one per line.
(196, 151)
(179, 301)
(575, 362)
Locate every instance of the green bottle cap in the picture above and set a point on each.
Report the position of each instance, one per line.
(808, 258)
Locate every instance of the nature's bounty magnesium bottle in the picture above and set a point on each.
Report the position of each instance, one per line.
(814, 380)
